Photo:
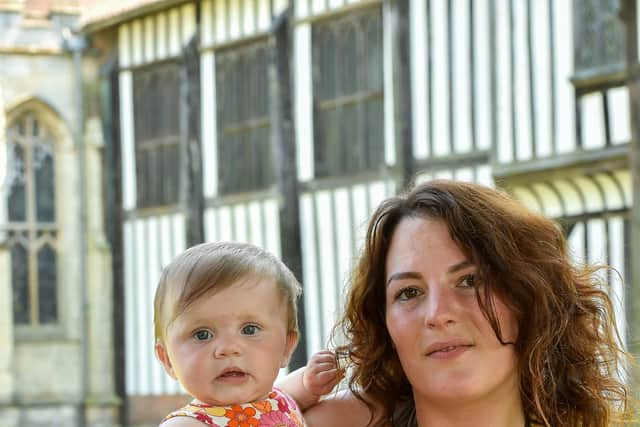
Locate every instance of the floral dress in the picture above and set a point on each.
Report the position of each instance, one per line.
(277, 410)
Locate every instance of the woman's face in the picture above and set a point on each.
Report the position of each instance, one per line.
(445, 344)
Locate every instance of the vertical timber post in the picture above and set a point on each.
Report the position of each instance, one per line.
(192, 190)
(402, 108)
(629, 15)
(284, 162)
(114, 220)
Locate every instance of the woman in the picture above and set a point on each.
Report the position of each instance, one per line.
(465, 310)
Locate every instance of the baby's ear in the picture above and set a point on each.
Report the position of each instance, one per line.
(163, 357)
(292, 341)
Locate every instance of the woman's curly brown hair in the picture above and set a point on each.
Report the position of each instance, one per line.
(569, 356)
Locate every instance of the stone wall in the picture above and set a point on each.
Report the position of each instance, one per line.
(50, 374)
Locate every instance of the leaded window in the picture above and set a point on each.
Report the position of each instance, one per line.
(244, 126)
(32, 229)
(156, 108)
(599, 35)
(349, 96)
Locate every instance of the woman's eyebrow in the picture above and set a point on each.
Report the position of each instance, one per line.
(404, 275)
(459, 266)
(415, 275)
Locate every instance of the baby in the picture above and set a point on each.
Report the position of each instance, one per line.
(225, 319)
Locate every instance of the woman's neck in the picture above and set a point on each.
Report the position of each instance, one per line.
(492, 411)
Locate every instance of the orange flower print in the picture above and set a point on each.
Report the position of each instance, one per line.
(262, 406)
(241, 417)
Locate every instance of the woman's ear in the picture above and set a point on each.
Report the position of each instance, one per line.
(163, 357)
(292, 341)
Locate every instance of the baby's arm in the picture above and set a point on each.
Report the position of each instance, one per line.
(309, 383)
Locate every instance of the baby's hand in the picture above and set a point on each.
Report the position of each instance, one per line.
(321, 374)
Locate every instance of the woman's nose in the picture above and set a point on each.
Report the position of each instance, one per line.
(440, 307)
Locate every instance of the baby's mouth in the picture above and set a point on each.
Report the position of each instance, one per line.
(232, 374)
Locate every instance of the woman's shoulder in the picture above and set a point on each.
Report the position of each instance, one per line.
(342, 409)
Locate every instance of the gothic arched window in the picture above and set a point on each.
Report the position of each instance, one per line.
(31, 215)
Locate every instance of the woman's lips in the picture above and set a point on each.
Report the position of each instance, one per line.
(449, 352)
(448, 349)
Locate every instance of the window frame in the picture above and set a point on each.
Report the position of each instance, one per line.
(245, 125)
(161, 198)
(364, 95)
(34, 235)
(605, 31)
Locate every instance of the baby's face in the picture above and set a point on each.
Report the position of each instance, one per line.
(228, 346)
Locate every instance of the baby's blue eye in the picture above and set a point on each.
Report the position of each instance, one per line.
(203, 335)
(250, 330)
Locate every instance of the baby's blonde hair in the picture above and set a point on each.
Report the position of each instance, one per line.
(208, 266)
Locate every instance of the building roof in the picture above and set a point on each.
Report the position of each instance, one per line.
(40, 8)
(34, 27)
(100, 14)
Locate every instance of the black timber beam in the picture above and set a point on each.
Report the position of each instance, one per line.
(285, 168)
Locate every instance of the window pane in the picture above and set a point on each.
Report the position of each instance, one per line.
(244, 147)
(44, 181)
(170, 178)
(375, 134)
(156, 101)
(35, 126)
(226, 149)
(348, 88)
(153, 178)
(157, 131)
(48, 300)
(31, 200)
(260, 85)
(16, 181)
(327, 77)
(327, 157)
(141, 178)
(248, 156)
(350, 151)
(374, 55)
(599, 34)
(21, 127)
(20, 282)
(348, 61)
(265, 158)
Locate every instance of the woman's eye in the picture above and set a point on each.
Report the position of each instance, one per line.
(250, 330)
(468, 281)
(408, 293)
(203, 335)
